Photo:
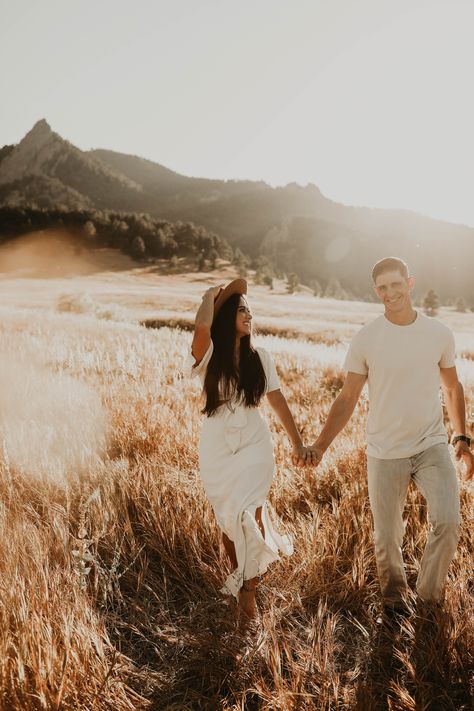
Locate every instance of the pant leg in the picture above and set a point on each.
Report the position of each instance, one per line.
(388, 481)
(435, 476)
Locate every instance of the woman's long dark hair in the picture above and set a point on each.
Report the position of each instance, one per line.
(223, 378)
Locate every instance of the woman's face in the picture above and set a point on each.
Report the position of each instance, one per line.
(243, 319)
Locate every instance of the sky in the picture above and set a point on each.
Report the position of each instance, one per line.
(371, 100)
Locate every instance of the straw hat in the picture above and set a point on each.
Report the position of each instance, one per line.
(237, 286)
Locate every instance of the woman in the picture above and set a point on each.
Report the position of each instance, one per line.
(236, 452)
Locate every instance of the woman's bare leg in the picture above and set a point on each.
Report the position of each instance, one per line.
(247, 591)
(230, 550)
(258, 518)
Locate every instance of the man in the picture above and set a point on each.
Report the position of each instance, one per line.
(404, 356)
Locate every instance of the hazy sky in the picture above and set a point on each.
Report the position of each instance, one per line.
(371, 100)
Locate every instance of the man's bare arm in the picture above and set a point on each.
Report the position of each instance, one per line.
(339, 414)
(455, 405)
(454, 399)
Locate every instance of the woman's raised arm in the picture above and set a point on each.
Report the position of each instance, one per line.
(203, 323)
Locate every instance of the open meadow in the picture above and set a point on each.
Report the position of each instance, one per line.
(110, 557)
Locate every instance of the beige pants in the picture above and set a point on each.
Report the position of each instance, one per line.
(434, 474)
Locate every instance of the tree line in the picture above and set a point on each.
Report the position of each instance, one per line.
(146, 238)
(138, 235)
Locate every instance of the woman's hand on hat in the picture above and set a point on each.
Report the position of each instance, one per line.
(213, 292)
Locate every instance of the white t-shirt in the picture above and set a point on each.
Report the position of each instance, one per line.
(402, 364)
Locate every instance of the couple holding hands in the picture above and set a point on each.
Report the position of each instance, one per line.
(404, 357)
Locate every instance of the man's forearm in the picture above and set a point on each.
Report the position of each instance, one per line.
(338, 417)
(456, 407)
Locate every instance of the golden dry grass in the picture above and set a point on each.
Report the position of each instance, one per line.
(110, 559)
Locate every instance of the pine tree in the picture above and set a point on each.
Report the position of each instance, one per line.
(137, 248)
(431, 303)
(213, 257)
(292, 282)
(240, 260)
(90, 230)
(201, 263)
(174, 262)
(334, 289)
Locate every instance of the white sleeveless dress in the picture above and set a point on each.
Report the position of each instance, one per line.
(237, 467)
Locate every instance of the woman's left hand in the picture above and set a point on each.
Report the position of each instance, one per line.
(300, 456)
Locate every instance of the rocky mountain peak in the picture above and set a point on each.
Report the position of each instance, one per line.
(40, 129)
(42, 153)
(38, 146)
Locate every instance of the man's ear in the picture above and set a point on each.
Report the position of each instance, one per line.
(411, 282)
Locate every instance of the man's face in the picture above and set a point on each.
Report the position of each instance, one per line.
(394, 290)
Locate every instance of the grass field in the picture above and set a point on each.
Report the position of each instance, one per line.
(109, 553)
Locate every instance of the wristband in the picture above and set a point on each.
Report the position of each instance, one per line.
(461, 438)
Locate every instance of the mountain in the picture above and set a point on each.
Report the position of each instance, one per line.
(303, 231)
(44, 154)
(238, 209)
(296, 227)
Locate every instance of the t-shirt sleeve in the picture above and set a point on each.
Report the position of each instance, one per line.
(200, 369)
(448, 357)
(355, 361)
(273, 381)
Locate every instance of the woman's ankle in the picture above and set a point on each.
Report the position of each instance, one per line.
(249, 585)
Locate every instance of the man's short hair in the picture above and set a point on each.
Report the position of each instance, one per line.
(390, 264)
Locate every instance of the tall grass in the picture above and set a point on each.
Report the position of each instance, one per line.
(111, 562)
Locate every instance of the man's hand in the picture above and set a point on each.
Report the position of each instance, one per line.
(462, 451)
(315, 454)
(307, 456)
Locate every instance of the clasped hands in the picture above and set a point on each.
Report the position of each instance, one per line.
(307, 456)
